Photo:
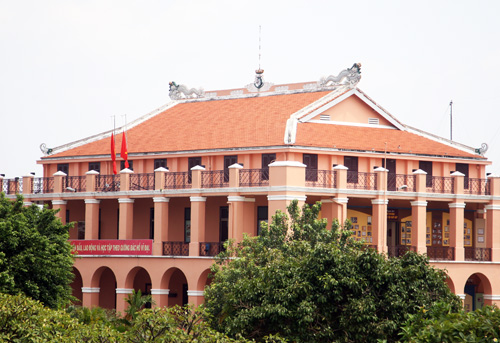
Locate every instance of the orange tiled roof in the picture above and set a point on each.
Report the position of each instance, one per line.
(372, 139)
(216, 124)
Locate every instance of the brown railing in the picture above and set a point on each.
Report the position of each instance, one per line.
(177, 180)
(211, 248)
(254, 177)
(477, 254)
(107, 183)
(176, 248)
(12, 186)
(360, 180)
(142, 181)
(401, 182)
(213, 179)
(74, 184)
(42, 185)
(477, 186)
(441, 253)
(400, 250)
(441, 184)
(321, 178)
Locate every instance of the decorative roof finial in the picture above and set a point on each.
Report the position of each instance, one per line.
(351, 76)
(176, 90)
(259, 84)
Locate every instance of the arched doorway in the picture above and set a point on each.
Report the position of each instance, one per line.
(106, 281)
(142, 282)
(178, 287)
(476, 286)
(76, 287)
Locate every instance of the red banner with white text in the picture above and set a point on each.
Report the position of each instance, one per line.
(113, 247)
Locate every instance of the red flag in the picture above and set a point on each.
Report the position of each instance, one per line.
(124, 151)
(113, 154)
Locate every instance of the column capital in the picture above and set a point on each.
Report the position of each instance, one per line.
(492, 207)
(59, 202)
(125, 201)
(456, 205)
(380, 201)
(341, 200)
(418, 203)
(195, 293)
(161, 199)
(236, 198)
(124, 290)
(158, 291)
(287, 164)
(27, 203)
(198, 199)
(287, 197)
(91, 289)
(92, 201)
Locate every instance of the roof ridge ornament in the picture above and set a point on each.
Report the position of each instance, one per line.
(179, 92)
(259, 85)
(350, 76)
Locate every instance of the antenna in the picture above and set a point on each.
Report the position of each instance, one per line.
(260, 35)
(451, 120)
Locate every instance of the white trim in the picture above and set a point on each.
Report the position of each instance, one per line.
(456, 205)
(495, 297)
(92, 201)
(287, 164)
(380, 201)
(198, 168)
(91, 289)
(238, 198)
(197, 199)
(92, 172)
(126, 171)
(60, 173)
(457, 173)
(418, 203)
(59, 202)
(159, 291)
(381, 169)
(461, 296)
(419, 172)
(161, 199)
(480, 211)
(27, 203)
(125, 201)
(31, 176)
(344, 123)
(341, 200)
(287, 197)
(161, 169)
(492, 207)
(196, 293)
(235, 166)
(340, 167)
(124, 290)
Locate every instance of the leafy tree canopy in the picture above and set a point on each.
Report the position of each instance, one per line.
(310, 284)
(35, 255)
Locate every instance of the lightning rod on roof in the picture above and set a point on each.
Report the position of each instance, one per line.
(451, 120)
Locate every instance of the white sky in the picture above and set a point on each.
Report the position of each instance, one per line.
(67, 66)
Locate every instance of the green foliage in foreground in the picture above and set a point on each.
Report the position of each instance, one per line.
(35, 255)
(310, 284)
(24, 320)
(441, 324)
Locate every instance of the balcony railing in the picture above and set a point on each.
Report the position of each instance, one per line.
(176, 248)
(214, 179)
(42, 185)
(254, 177)
(177, 180)
(12, 186)
(477, 254)
(441, 184)
(321, 178)
(211, 248)
(476, 186)
(399, 250)
(401, 182)
(441, 253)
(360, 180)
(107, 183)
(74, 183)
(142, 181)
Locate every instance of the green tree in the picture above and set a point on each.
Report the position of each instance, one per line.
(35, 255)
(310, 284)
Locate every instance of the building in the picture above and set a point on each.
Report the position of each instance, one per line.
(211, 166)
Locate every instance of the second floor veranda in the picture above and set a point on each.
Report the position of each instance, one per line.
(338, 179)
